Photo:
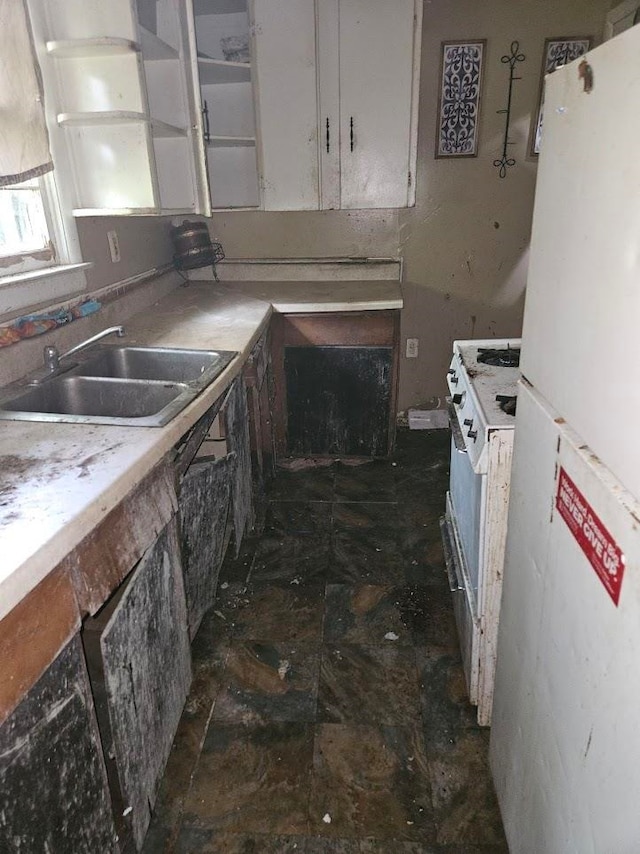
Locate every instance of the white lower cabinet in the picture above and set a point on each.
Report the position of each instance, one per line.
(337, 98)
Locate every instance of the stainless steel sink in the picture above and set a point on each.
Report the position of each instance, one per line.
(99, 400)
(126, 386)
(155, 363)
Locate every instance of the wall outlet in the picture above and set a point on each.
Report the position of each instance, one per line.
(114, 246)
(412, 348)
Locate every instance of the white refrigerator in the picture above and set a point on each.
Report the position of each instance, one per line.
(565, 739)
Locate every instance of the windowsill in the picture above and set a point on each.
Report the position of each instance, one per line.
(23, 293)
(42, 273)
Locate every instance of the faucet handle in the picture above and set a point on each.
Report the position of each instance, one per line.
(51, 357)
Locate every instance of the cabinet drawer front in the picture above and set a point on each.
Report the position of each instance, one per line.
(32, 635)
(105, 556)
(356, 329)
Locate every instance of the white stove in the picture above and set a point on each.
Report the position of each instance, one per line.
(482, 380)
(474, 387)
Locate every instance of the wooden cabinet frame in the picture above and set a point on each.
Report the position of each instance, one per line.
(353, 329)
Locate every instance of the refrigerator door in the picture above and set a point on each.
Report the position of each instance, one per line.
(565, 753)
(580, 338)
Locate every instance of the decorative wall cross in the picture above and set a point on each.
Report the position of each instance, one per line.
(510, 59)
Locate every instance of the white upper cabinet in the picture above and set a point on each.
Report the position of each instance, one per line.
(621, 18)
(186, 106)
(287, 79)
(337, 96)
(376, 72)
(117, 74)
(222, 75)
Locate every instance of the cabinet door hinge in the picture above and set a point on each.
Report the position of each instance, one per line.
(409, 179)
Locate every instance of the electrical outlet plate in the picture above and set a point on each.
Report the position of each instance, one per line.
(412, 348)
(114, 246)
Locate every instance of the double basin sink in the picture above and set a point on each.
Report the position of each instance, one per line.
(125, 386)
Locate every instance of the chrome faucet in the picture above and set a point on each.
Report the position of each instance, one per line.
(52, 357)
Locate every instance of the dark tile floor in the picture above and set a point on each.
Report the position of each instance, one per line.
(328, 709)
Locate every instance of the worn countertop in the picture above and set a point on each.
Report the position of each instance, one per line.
(290, 297)
(57, 481)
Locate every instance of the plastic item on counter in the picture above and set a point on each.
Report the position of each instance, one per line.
(30, 325)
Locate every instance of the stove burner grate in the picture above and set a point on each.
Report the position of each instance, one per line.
(499, 358)
(507, 403)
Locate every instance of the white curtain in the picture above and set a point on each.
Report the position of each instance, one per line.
(24, 142)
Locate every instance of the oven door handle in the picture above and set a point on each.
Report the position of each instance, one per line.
(456, 432)
(449, 559)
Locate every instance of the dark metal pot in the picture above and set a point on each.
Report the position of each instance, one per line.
(193, 246)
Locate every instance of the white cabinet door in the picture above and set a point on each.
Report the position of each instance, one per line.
(376, 72)
(285, 62)
(192, 88)
(337, 96)
(328, 28)
(222, 75)
(121, 107)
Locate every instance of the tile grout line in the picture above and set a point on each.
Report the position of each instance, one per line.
(205, 732)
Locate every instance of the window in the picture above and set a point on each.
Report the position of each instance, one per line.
(25, 240)
(25, 160)
(40, 259)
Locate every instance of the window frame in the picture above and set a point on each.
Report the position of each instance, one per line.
(57, 196)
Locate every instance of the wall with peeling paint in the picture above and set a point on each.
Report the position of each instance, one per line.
(465, 242)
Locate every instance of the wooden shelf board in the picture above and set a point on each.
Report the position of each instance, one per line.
(221, 71)
(79, 212)
(231, 141)
(107, 46)
(154, 48)
(164, 130)
(218, 7)
(255, 207)
(113, 117)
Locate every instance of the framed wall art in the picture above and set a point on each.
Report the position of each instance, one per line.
(557, 52)
(459, 98)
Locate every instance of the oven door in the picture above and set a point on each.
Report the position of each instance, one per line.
(466, 490)
(462, 533)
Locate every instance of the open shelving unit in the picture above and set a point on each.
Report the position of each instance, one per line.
(85, 48)
(123, 105)
(226, 91)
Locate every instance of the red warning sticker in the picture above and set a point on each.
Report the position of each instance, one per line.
(593, 538)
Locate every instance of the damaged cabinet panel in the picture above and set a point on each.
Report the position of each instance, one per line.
(338, 400)
(54, 795)
(205, 501)
(258, 379)
(33, 634)
(236, 420)
(193, 442)
(105, 556)
(336, 380)
(145, 673)
(215, 496)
